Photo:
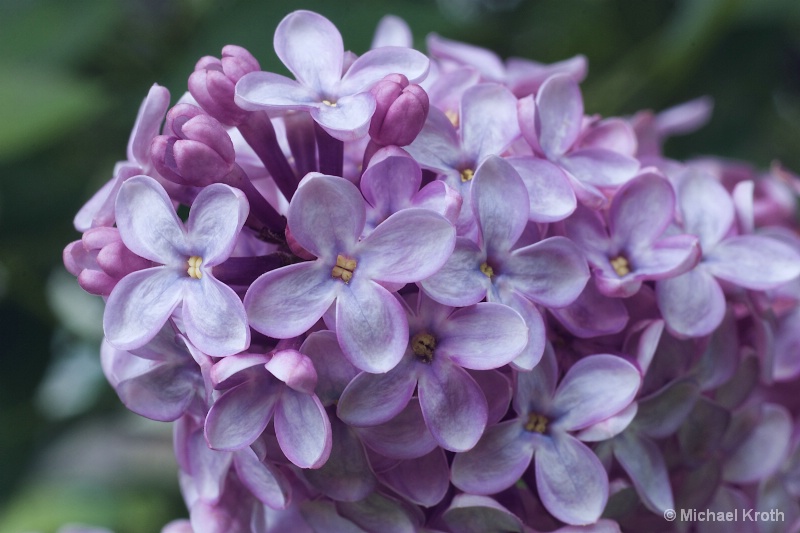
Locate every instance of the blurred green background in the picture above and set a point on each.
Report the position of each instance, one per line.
(73, 75)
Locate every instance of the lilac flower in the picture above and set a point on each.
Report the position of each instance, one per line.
(572, 483)
(326, 217)
(693, 304)
(551, 272)
(442, 342)
(554, 126)
(311, 48)
(279, 386)
(635, 247)
(143, 301)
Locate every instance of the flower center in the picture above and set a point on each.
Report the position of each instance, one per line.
(467, 175)
(344, 268)
(487, 270)
(536, 423)
(621, 265)
(423, 346)
(329, 103)
(452, 116)
(194, 267)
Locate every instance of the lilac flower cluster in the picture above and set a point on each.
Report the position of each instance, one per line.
(401, 293)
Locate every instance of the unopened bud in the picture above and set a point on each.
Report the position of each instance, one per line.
(213, 82)
(400, 112)
(195, 150)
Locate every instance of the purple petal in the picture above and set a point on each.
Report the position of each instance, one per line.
(406, 436)
(488, 120)
(372, 399)
(497, 461)
(392, 31)
(409, 246)
(264, 90)
(227, 368)
(763, 450)
(497, 389)
(140, 304)
(668, 257)
(753, 262)
(642, 460)
(500, 203)
(264, 480)
(148, 124)
(347, 475)
(532, 352)
(376, 64)
(321, 515)
(311, 48)
(241, 414)
(303, 429)
(285, 302)
(571, 481)
(214, 317)
(550, 195)
(552, 272)
(216, 218)
(610, 427)
(163, 393)
(469, 513)
(327, 215)
(148, 224)
(483, 336)
(661, 413)
(381, 513)
(534, 390)
(559, 114)
(453, 405)
(600, 167)
(348, 119)
(440, 198)
(437, 146)
(593, 314)
(390, 181)
(485, 61)
(692, 304)
(593, 389)
(334, 371)
(460, 281)
(641, 210)
(423, 481)
(371, 326)
(706, 206)
(294, 369)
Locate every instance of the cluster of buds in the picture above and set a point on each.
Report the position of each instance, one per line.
(404, 293)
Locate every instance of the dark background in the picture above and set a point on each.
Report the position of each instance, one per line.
(72, 75)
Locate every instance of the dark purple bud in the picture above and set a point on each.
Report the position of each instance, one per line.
(195, 150)
(400, 112)
(213, 81)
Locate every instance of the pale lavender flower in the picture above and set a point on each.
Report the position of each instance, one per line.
(338, 99)
(442, 343)
(144, 300)
(572, 483)
(327, 217)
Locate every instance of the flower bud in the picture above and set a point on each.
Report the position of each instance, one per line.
(213, 82)
(400, 112)
(195, 150)
(100, 259)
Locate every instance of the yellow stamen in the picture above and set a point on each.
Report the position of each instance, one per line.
(329, 103)
(423, 346)
(487, 270)
(536, 423)
(467, 175)
(452, 116)
(344, 268)
(194, 267)
(621, 265)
